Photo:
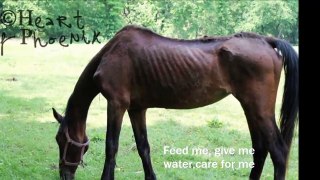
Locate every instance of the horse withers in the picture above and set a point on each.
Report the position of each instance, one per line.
(138, 69)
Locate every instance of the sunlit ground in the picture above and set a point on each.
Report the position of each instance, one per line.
(34, 80)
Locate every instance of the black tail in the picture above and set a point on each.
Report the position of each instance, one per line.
(290, 101)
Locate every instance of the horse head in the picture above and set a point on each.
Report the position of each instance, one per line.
(71, 149)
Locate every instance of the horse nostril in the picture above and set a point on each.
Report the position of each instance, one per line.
(66, 175)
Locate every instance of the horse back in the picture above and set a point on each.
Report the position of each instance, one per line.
(154, 71)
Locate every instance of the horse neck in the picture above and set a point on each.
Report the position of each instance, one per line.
(76, 112)
(81, 98)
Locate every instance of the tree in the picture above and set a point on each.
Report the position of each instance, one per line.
(180, 19)
(114, 18)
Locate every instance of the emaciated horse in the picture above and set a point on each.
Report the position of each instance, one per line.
(138, 69)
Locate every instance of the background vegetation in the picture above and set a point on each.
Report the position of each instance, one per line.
(32, 80)
(181, 19)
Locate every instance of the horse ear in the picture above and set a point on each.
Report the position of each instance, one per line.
(57, 115)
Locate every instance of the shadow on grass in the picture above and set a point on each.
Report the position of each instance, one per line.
(17, 106)
(28, 148)
(175, 135)
(26, 145)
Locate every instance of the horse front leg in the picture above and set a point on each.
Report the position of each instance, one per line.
(115, 114)
(138, 122)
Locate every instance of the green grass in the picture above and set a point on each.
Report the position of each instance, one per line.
(45, 77)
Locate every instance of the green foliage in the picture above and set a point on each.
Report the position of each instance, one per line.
(277, 18)
(114, 19)
(215, 123)
(180, 19)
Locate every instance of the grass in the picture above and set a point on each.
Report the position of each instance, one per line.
(215, 123)
(34, 80)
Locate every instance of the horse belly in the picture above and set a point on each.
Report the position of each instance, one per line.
(192, 98)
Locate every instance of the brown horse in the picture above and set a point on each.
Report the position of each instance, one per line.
(138, 69)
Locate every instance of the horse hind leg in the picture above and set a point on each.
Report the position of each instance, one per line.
(266, 137)
(260, 152)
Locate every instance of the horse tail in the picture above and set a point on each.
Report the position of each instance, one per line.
(290, 101)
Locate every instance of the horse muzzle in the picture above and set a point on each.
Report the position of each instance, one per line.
(66, 175)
